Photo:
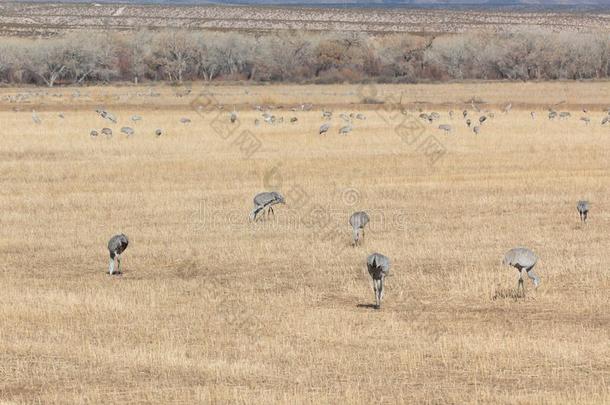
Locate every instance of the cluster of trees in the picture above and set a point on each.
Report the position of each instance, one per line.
(179, 55)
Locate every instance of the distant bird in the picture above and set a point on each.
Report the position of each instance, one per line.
(93, 133)
(605, 120)
(358, 221)
(128, 131)
(434, 116)
(482, 119)
(136, 118)
(468, 122)
(583, 210)
(158, 132)
(464, 113)
(265, 200)
(360, 116)
(256, 122)
(552, 115)
(107, 132)
(451, 114)
(564, 114)
(35, 118)
(533, 115)
(293, 119)
(324, 128)
(116, 245)
(522, 259)
(507, 107)
(424, 116)
(345, 117)
(476, 129)
(185, 120)
(379, 267)
(105, 114)
(445, 127)
(586, 120)
(233, 117)
(61, 115)
(346, 129)
(327, 115)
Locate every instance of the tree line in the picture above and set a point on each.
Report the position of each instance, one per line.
(303, 57)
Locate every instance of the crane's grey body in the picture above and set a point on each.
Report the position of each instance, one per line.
(93, 133)
(116, 245)
(583, 210)
(378, 266)
(346, 129)
(523, 259)
(445, 127)
(324, 128)
(265, 200)
(105, 114)
(233, 117)
(358, 221)
(136, 118)
(158, 132)
(128, 131)
(107, 132)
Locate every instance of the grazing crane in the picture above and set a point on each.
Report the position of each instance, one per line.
(128, 131)
(451, 114)
(379, 267)
(233, 116)
(358, 221)
(435, 116)
(552, 115)
(605, 120)
(93, 133)
(445, 127)
(105, 114)
(293, 119)
(256, 122)
(522, 259)
(346, 129)
(586, 120)
(476, 129)
(533, 114)
(564, 114)
(264, 200)
(324, 128)
(116, 245)
(507, 108)
(464, 113)
(136, 118)
(424, 116)
(583, 210)
(468, 122)
(345, 117)
(158, 132)
(185, 120)
(482, 119)
(107, 132)
(61, 115)
(360, 116)
(327, 115)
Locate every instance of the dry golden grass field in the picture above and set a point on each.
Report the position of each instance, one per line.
(211, 308)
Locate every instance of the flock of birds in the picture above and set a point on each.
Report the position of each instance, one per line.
(378, 265)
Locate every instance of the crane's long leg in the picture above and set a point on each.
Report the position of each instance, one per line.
(521, 290)
(111, 266)
(118, 258)
(380, 290)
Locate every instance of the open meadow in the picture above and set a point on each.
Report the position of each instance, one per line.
(214, 308)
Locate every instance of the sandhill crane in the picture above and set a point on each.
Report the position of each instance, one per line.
(257, 122)
(185, 120)
(445, 127)
(378, 266)
(434, 116)
(345, 117)
(293, 119)
(327, 115)
(586, 120)
(474, 106)
(360, 116)
(233, 116)
(533, 115)
(482, 119)
(266, 199)
(476, 129)
(128, 131)
(116, 245)
(35, 118)
(464, 113)
(451, 114)
(105, 114)
(158, 132)
(424, 116)
(468, 122)
(107, 132)
(324, 128)
(522, 259)
(552, 115)
(93, 133)
(358, 221)
(507, 108)
(583, 210)
(61, 115)
(564, 114)
(346, 129)
(605, 120)
(136, 118)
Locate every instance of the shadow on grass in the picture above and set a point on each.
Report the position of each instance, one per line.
(510, 293)
(370, 306)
